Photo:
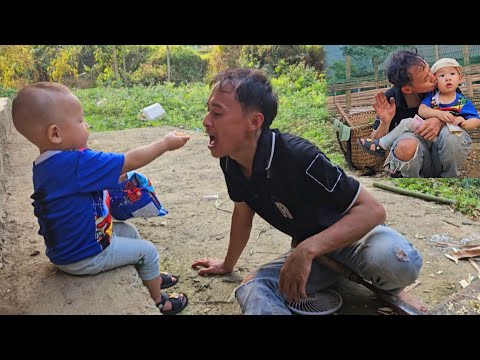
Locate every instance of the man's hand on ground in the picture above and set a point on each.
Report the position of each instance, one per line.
(212, 266)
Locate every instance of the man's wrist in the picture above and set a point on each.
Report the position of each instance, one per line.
(307, 251)
(228, 266)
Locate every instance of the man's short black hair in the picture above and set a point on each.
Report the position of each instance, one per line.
(398, 70)
(252, 90)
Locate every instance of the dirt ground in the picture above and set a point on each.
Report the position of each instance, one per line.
(196, 227)
(471, 167)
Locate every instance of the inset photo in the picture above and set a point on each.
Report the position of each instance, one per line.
(407, 111)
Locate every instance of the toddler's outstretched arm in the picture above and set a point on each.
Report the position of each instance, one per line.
(143, 155)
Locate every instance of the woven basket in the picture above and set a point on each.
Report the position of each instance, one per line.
(361, 125)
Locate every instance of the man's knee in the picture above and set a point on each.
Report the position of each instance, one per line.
(396, 268)
(393, 262)
(405, 149)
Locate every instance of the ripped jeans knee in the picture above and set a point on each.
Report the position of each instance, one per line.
(383, 257)
(418, 166)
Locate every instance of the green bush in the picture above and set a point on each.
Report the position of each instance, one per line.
(186, 65)
(148, 74)
(223, 57)
(269, 56)
(9, 92)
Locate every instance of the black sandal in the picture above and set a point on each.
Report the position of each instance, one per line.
(367, 146)
(167, 280)
(177, 303)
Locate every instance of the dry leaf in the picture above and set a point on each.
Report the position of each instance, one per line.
(411, 286)
(471, 252)
(474, 264)
(452, 258)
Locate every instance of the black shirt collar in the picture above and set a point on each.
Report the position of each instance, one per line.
(262, 156)
(263, 153)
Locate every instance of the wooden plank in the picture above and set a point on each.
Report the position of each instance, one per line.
(464, 302)
(351, 85)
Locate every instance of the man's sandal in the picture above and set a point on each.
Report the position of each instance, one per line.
(372, 146)
(167, 280)
(178, 302)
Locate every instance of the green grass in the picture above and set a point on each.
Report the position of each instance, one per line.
(184, 106)
(466, 192)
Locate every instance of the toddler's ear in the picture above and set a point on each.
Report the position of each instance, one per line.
(53, 134)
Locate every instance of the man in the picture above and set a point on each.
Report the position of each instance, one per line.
(414, 154)
(294, 187)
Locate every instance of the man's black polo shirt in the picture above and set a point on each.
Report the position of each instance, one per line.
(402, 110)
(294, 187)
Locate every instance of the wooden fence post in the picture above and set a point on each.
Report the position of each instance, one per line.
(348, 72)
(466, 61)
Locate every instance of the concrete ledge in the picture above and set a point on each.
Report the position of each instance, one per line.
(116, 292)
(6, 126)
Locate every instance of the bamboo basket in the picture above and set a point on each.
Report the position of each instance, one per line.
(361, 125)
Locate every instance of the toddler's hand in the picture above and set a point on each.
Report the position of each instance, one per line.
(175, 140)
(459, 121)
(446, 116)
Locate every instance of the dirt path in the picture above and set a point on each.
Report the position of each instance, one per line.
(194, 228)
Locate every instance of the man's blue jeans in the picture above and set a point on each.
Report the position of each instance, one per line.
(383, 257)
(441, 158)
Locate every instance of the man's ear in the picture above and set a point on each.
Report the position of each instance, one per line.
(407, 89)
(53, 134)
(256, 121)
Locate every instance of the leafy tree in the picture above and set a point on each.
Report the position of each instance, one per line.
(186, 65)
(269, 56)
(223, 57)
(65, 63)
(135, 55)
(373, 52)
(338, 68)
(16, 65)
